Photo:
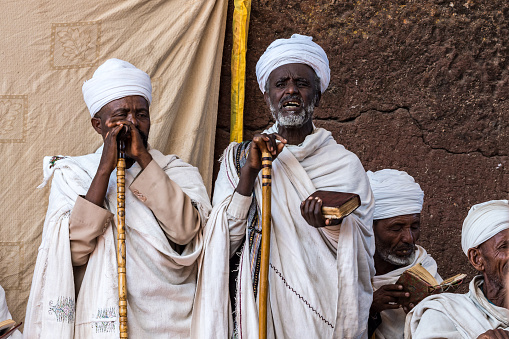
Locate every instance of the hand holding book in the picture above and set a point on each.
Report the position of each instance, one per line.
(420, 284)
(327, 208)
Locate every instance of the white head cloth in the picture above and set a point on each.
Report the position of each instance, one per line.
(113, 80)
(396, 193)
(483, 222)
(299, 49)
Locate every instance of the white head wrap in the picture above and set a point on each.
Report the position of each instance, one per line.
(483, 222)
(113, 80)
(396, 193)
(299, 49)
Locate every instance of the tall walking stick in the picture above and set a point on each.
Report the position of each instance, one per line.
(266, 223)
(122, 288)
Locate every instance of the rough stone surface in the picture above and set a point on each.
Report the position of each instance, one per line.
(420, 86)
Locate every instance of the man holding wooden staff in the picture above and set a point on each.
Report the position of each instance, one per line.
(396, 224)
(319, 273)
(74, 292)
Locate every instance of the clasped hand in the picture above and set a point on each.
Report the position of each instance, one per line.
(250, 170)
(134, 147)
(260, 143)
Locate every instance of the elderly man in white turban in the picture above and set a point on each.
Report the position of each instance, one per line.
(396, 225)
(483, 311)
(320, 273)
(74, 291)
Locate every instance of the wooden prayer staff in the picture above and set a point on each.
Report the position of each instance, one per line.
(122, 288)
(266, 223)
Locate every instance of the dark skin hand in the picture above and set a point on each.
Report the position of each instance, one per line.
(386, 298)
(253, 165)
(311, 211)
(494, 334)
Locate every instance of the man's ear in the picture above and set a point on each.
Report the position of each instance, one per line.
(318, 97)
(476, 258)
(266, 98)
(96, 124)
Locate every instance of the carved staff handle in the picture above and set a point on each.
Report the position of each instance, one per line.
(122, 286)
(266, 225)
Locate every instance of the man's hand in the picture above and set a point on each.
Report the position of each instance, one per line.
(97, 190)
(253, 165)
(386, 297)
(407, 307)
(259, 144)
(494, 334)
(109, 155)
(135, 149)
(311, 211)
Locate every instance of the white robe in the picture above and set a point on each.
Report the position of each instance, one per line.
(160, 282)
(456, 316)
(393, 321)
(318, 287)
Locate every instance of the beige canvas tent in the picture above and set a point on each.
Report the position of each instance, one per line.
(48, 49)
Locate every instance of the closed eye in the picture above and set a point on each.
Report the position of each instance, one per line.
(502, 245)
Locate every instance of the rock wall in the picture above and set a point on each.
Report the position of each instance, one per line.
(420, 86)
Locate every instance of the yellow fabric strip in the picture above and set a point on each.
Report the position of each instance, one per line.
(240, 31)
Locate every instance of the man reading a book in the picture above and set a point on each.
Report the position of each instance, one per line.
(396, 225)
(483, 311)
(320, 279)
(165, 205)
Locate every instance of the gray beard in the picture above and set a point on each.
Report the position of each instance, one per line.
(396, 260)
(293, 120)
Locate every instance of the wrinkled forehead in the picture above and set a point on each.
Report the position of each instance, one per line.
(382, 225)
(131, 101)
(293, 71)
(501, 238)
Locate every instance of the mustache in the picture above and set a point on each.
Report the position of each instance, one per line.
(405, 248)
(288, 98)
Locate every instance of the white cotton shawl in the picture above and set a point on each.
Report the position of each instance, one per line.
(299, 49)
(160, 282)
(470, 315)
(314, 291)
(483, 222)
(396, 193)
(113, 80)
(393, 321)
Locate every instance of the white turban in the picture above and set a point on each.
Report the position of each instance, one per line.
(483, 222)
(396, 193)
(299, 49)
(113, 80)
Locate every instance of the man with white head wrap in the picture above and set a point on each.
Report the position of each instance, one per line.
(319, 277)
(483, 311)
(74, 291)
(396, 225)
